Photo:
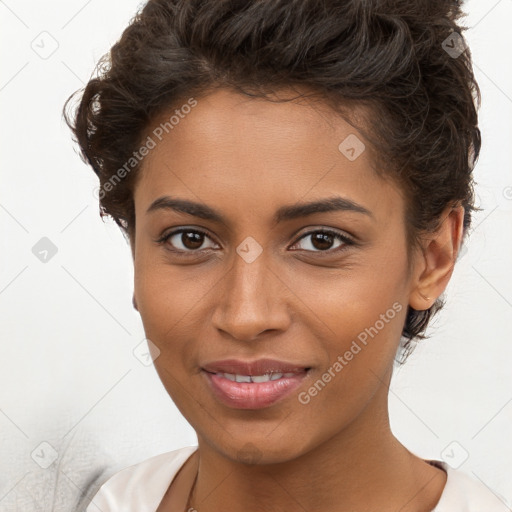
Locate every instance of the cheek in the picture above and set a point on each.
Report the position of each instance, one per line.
(365, 325)
(364, 329)
(162, 297)
(358, 315)
(354, 296)
(173, 305)
(163, 291)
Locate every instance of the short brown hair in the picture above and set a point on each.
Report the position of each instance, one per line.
(391, 56)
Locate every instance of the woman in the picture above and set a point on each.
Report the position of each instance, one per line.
(295, 181)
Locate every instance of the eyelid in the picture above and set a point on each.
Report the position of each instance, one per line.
(162, 239)
(346, 239)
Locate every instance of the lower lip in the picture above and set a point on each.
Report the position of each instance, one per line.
(253, 395)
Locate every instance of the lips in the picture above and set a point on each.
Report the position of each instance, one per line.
(258, 367)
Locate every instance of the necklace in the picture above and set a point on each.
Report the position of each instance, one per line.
(189, 507)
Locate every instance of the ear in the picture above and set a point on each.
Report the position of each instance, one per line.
(134, 302)
(439, 254)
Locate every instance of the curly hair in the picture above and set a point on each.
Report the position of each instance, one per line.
(405, 62)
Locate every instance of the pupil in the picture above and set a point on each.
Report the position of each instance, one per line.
(323, 239)
(192, 240)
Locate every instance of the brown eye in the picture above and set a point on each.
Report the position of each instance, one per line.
(323, 241)
(186, 240)
(192, 240)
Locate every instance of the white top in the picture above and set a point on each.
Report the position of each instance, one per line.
(141, 487)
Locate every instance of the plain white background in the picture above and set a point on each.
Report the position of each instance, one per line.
(74, 396)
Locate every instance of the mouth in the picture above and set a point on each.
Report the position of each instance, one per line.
(253, 385)
(259, 367)
(266, 377)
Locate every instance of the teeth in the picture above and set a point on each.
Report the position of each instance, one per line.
(262, 378)
(255, 378)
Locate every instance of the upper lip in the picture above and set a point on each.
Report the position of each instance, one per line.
(258, 367)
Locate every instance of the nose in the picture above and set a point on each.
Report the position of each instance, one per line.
(252, 300)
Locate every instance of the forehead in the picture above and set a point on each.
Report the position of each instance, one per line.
(250, 153)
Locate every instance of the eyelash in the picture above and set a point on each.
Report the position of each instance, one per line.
(338, 236)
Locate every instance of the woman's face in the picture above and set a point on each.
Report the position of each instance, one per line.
(255, 286)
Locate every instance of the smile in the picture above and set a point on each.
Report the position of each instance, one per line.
(253, 391)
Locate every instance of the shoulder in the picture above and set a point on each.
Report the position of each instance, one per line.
(140, 487)
(463, 493)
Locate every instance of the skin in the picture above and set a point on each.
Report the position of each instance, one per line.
(297, 301)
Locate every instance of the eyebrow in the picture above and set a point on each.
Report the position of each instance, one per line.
(288, 212)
